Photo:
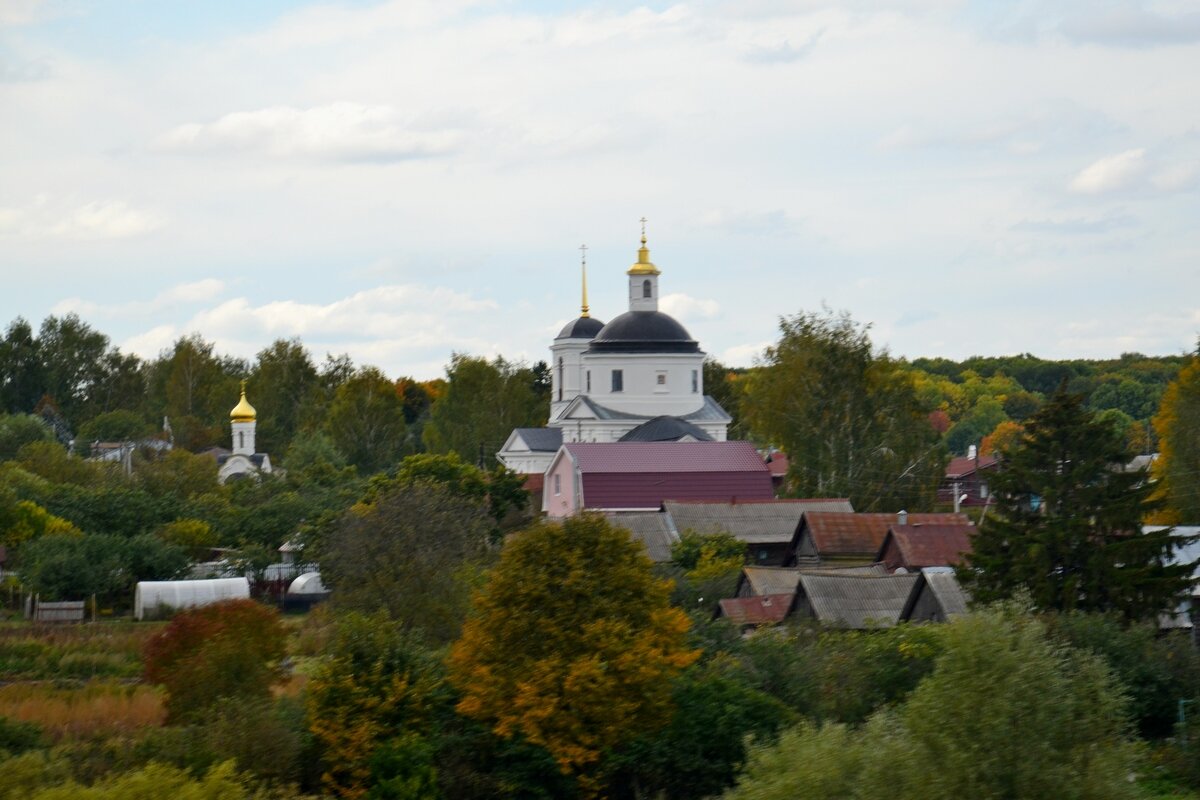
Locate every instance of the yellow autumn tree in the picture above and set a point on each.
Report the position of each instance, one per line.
(572, 644)
(1178, 427)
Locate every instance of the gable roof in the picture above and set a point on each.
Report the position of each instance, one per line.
(665, 429)
(778, 580)
(757, 610)
(584, 407)
(753, 522)
(855, 601)
(540, 440)
(929, 545)
(944, 585)
(860, 534)
(638, 457)
(651, 528)
(962, 466)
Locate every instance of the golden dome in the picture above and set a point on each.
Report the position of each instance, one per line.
(643, 265)
(243, 411)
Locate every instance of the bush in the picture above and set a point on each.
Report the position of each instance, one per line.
(229, 649)
(16, 737)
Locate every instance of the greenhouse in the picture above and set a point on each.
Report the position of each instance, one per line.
(156, 598)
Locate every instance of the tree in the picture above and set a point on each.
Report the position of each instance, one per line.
(501, 489)
(377, 683)
(230, 649)
(366, 421)
(18, 430)
(195, 537)
(1068, 522)
(195, 389)
(114, 426)
(483, 402)
(848, 418)
(72, 355)
(284, 382)
(572, 644)
(413, 552)
(726, 386)
(1006, 713)
(1003, 437)
(1178, 426)
(21, 372)
(63, 565)
(709, 565)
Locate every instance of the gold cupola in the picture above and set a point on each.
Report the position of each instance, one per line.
(243, 411)
(643, 265)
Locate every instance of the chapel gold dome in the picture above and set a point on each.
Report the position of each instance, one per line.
(243, 411)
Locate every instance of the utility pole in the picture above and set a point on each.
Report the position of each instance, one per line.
(957, 497)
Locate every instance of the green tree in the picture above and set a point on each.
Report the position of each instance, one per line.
(848, 418)
(195, 389)
(502, 490)
(72, 355)
(121, 425)
(230, 649)
(195, 537)
(1068, 523)
(483, 402)
(1178, 426)
(284, 382)
(67, 566)
(572, 644)
(21, 372)
(413, 552)
(366, 421)
(18, 430)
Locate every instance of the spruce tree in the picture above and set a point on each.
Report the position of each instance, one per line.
(1068, 522)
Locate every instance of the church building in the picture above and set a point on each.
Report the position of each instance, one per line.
(640, 378)
(242, 461)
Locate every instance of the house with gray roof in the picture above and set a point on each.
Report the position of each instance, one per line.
(936, 596)
(651, 528)
(859, 602)
(766, 526)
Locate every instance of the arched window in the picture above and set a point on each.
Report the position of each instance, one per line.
(646, 288)
(241, 440)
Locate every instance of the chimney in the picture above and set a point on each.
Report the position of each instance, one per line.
(973, 452)
(902, 518)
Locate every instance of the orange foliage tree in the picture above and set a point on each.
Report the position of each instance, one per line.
(1003, 437)
(1178, 427)
(572, 644)
(228, 649)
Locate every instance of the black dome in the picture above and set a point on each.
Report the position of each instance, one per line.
(644, 332)
(582, 328)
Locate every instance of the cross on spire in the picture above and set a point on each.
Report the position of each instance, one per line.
(643, 230)
(583, 263)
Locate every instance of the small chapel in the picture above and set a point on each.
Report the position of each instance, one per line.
(242, 461)
(639, 378)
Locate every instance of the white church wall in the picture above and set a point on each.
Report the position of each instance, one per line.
(641, 392)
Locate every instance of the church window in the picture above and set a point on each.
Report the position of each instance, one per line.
(241, 440)
(589, 381)
(618, 380)
(695, 381)
(646, 288)
(662, 379)
(560, 379)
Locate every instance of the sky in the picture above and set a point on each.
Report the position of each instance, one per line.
(405, 180)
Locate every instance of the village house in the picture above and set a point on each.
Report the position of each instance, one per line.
(966, 479)
(766, 526)
(829, 539)
(916, 546)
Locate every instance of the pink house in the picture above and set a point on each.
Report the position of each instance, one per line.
(639, 476)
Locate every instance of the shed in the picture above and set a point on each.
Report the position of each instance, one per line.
(766, 526)
(913, 547)
(825, 539)
(936, 597)
(767, 609)
(653, 529)
(853, 601)
(151, 596)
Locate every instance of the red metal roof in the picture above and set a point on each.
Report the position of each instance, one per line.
(666, 457)
(649, 490)
(763, 609)
(856, 534)
(958, 467)
(778, 464)
(928, 545)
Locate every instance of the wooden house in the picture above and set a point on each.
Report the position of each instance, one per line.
(766, 526)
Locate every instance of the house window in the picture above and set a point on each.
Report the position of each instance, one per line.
(589, 381)
(983, 491)
(695, 381)
(558, 484)
(646, 288)
(618, 380)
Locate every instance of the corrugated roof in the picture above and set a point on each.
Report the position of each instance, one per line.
(634, 457)
(770, 580)
(963, 466)
(759, 610)
(862, 534)
(856, 601)
(929, 545)
(754, 522)
(652, 529)
(944, 585)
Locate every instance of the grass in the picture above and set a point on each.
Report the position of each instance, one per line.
(52, 652)
(96, 708)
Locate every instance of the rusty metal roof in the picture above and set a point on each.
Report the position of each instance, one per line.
(933, 545)
(758, 610)
(862, 534)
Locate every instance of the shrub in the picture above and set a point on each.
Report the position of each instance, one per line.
(16, 737)
(229, 649)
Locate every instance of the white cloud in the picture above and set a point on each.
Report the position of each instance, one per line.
(168, 300)
(100, 219)
(686, 308)
(1110, 173)
(335, 132)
